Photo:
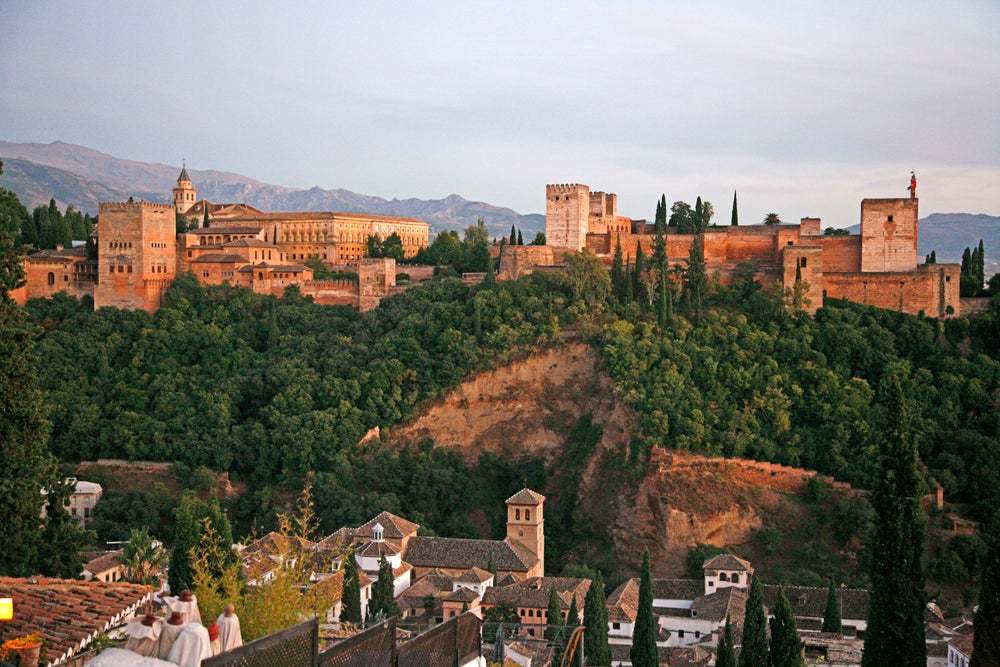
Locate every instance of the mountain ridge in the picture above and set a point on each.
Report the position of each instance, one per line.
(95, 174)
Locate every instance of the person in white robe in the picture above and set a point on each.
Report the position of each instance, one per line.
(168, 634)
(144, 635)
(120, 657)
(187, 604)
(192, 646)
(230, 636)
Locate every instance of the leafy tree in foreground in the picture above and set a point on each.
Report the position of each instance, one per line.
(59, 551)
(754, 652)
(786, 649)
(595, 618)
(644, 652)
(188, 530)
(25, 466)
(831, 616)
(895, 633)
(986, 647)
(142, 558)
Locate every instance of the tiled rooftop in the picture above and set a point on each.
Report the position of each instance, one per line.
(69, 613)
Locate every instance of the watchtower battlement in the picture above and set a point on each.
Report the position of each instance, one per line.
(118, 206)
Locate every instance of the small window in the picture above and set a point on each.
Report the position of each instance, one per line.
(803, 264)
(736, 578)
(616, 626)
(723, 577)
(527, 515)
(517, 512)
(66, 278)
(697, 633)
(680, 634)
(52, 278)
(890, 218)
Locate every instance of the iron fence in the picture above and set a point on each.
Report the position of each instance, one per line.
(296, 646)
(454, 642)
(375, 647)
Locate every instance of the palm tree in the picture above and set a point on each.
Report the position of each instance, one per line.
(772, 219)
(142, 558)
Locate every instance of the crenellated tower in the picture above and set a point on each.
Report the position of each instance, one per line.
(567, 213)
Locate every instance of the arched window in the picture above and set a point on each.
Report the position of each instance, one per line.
(736, 578)
(52, 278)
(517, 512)
(527, 515)
(723, 576)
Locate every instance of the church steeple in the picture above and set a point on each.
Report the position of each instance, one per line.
(185, 194)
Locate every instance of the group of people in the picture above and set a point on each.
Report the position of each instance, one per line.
(177, 639)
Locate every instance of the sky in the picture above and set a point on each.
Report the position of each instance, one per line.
(804, 108)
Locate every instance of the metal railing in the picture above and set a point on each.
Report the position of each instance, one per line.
(296, 646)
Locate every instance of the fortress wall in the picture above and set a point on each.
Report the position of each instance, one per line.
(888, 235)
(840, 253)
(928, 290)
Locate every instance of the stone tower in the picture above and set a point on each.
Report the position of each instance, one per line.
(137, 254)
(184, 194)
(567, 213)
(526, 522)
(889, 235)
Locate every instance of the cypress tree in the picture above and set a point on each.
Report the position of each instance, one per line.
(595, 619)
(786, 649)
(520, 240)
(629, 290)
(980, 266)
(617, 279)
(754, 652)
(736, 217)
(665, 308)
(986, 646)
(573, 616)
(966, 261)
(895, 633)
(513, 235)
(726, 654)
(204, 218)
(644, 652)
(490, 279)
(698, 217)
(695, 280)
(656, 218)
(382, 601)
(350, 610)
(25, 465)
(831, 616)
(640, 266)
(553, 613)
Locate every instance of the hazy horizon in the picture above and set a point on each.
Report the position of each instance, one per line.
(803, 111)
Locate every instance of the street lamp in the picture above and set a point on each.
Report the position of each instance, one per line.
(6, 614)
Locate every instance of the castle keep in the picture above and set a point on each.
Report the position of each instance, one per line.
(879, 267)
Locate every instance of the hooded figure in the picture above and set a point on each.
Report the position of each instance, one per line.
(187, 604)
(230, 636)
(168, 634)
(192, 646)
(144, 636)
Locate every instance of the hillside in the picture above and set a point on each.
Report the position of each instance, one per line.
(530, 408)
(36, 184)
(51, 162)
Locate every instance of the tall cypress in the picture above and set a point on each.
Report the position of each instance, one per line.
(699, 219)
(980, 266)
(895, 633)
(25, 465)
(59, 553)
(786, 649)
(986, 646)
(382, 601)
(520, 239)
(617, 277)
(695, 279)
(595, 619)
(644, 652)
(629, 290)
(513, 235)
(831, 616)
(640, 266)
(204, 218)
(665, 305)
(350, 610)
(726, 654)
(754, 652)
(966, 261)
(736, 217)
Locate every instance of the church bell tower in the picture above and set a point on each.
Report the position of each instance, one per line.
(526, 524)
(184, 194)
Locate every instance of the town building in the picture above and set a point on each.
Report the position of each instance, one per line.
(106, 567)
(83, 500)
(878, 267)
(530, 599)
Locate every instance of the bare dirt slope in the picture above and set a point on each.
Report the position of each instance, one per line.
(673, 503)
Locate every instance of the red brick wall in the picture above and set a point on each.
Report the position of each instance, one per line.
(137, 257)
(888, 235)
(931, 289)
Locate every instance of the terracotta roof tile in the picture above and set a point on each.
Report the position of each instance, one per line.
(463, 553)
(623, 603)
(811, 601)
(727, 562)
(393, 527)
(535, 592)
(526, 497)
(69, 613)
(677, 589)
(104, 562)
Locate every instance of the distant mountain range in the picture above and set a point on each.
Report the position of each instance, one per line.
(82, 177)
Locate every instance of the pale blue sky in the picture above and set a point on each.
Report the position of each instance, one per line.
(804, 107)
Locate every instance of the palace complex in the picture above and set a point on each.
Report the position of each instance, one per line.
(140, 253)
(879, 267)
